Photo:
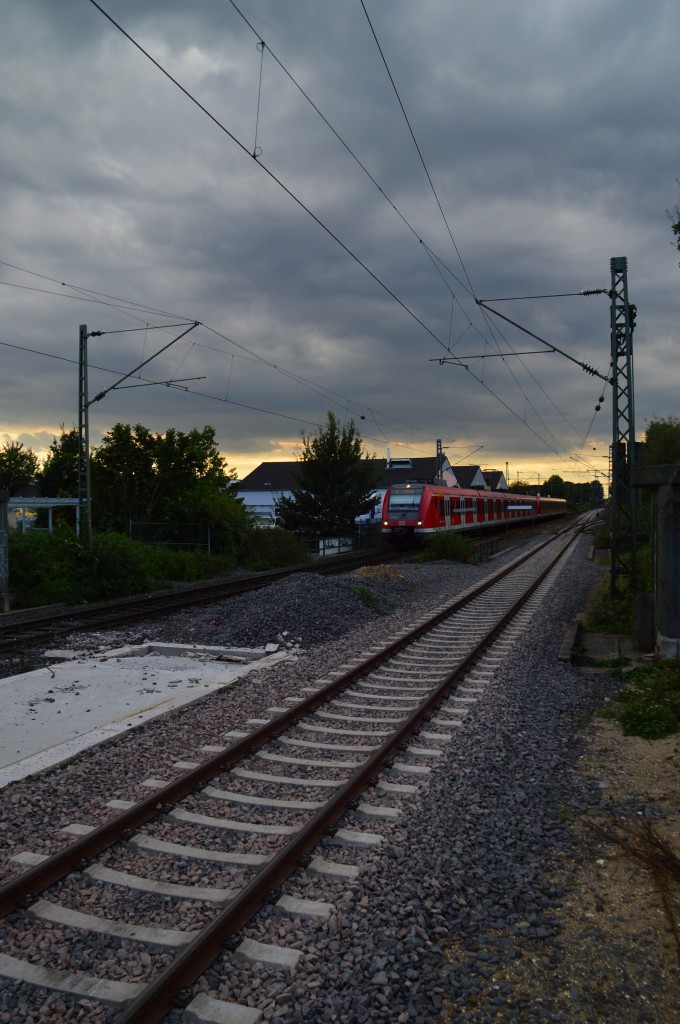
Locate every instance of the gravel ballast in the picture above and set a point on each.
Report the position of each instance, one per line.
(463, 892)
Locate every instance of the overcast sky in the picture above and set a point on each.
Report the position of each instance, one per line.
(549, 137)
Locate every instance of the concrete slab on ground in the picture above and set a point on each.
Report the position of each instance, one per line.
(607, 646)
(54, 713)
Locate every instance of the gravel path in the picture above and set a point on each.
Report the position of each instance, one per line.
(460, 919)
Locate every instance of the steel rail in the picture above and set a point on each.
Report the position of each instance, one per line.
(40, 629)
(151, 1006)
(38, 878)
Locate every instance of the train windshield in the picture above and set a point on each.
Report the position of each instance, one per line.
(404, 500)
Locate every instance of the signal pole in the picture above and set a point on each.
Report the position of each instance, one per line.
(623, 517)
(84, 403)
(84, 495)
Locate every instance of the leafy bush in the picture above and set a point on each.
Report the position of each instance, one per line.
(610, 615)
(603, 538)
(450, 547)
(120, 566)
(55, 568)
(651, 706)
(273, 548)
(45, 568)
(371, 600)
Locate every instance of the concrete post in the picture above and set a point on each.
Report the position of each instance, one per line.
(664, 483)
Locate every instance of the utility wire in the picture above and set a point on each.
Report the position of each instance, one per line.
(129, 304)
(415, 143)
(553, 448)
(273, 176)
(340, 139)
(292, 195)
(434, 192)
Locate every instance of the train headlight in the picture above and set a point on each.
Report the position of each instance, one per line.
(420, 522)
(385, 523)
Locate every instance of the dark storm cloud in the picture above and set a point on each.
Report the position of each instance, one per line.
(549, 133)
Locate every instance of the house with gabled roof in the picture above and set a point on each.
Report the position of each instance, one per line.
(495, 480)
(263, 488)
(470, 477)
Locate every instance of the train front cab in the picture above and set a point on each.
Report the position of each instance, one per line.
(402, 509)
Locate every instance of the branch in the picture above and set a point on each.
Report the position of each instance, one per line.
(641, 841)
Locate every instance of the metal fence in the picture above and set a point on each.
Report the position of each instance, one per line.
(322, 547)
(186, 536)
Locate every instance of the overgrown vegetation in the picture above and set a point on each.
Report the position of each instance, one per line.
(55, 568)
(610, 615)
(335, 481)
(450, 547)
(371, 600)
(273, 548)
(171, 486)
(650, 704)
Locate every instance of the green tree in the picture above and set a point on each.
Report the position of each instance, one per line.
(58, 477)
(335, 479)
(123, 474)
(596, 491)
(171, 478)
(662, 442)
(553, 487)
(18, 466)
(523, 487)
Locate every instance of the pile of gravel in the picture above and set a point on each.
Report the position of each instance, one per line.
(308, 609)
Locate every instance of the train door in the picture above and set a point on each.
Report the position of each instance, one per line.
(455, 511)
(439, 509)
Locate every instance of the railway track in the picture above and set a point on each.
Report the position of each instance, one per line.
(45, 627)
(285, 783)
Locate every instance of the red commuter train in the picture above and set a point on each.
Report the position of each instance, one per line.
(418, 509)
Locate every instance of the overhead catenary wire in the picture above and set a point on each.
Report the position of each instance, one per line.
(273, 177)
(415, 142)
(478, 301)
(298, 200)
(549, 344)
(432, 256)
(553, 447)
(128, 305)
(434, 192)
(343, 142)
(200, 394)
(439, 340)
